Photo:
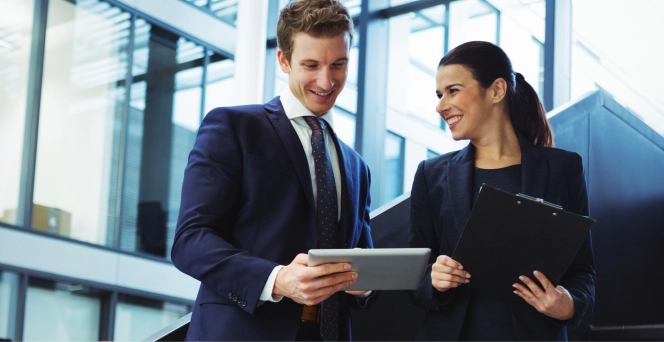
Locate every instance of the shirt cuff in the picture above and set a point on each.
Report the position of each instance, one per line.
(266, 295)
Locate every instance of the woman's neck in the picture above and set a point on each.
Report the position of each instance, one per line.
(500, 148)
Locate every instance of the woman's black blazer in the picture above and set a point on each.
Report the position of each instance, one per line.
(440, 207)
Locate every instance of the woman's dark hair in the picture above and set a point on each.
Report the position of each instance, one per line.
(488, 62)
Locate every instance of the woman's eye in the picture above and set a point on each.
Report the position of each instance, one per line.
(452, 91)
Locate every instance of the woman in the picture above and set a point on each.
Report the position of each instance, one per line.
(483, 100)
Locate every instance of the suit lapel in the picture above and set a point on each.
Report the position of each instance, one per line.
(534, 170)
(277, 116)
(460, 173)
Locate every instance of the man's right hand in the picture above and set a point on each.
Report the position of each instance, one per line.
(312, 285)
(447, 273)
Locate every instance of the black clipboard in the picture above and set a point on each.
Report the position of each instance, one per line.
(511, 235)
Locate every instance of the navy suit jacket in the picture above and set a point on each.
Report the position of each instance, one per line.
(247, 206)
(440, 206)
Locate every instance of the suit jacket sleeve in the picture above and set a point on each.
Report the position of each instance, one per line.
(579, 279)
(423, 235)
(211, 195)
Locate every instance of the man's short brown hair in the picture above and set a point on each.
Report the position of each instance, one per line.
(317, 18)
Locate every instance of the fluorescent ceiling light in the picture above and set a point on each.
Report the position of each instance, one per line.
(6, 44)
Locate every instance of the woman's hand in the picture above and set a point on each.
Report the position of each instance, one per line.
(554, 302)
(447, 273)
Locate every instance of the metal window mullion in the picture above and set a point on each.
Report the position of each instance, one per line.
(22, 295)
(107, 317)
(206, 63)
(124, 136)
(35, 80)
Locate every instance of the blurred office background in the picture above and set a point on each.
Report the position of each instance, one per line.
(100, 101)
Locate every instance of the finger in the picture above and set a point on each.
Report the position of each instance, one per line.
(302, 259)
(527, 295)
(329, 290)
(449, 277)
(447, 261)
(449, 270)
(546, 284)
(326, 269)
(534, 288)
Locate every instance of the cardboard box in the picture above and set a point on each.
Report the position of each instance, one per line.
(44, 218)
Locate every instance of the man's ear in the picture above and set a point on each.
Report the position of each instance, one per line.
(283, 62)
(498, 90)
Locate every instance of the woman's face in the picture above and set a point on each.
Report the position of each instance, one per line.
(463, 102)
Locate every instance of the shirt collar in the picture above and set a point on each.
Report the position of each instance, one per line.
(295, 109)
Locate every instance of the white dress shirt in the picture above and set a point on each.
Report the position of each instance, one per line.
(295, 111)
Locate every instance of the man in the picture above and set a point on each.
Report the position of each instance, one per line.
(266, 183)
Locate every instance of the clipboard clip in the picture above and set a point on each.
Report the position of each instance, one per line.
(540, 201)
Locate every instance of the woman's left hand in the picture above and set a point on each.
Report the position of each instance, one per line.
(552, 301)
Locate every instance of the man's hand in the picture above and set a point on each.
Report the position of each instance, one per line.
(554, 302)
(312, 285)
(447, 273)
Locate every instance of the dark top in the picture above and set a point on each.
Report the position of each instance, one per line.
(489, 316)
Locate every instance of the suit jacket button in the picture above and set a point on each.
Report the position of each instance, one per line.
(243, 303)
(230, 296)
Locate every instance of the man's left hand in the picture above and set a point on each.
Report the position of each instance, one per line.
(555, 302)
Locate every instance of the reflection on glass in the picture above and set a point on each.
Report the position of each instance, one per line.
(8, 299)
(164, 115)
(138, 318)
(15, 39)
(344, 126)
(57, 311)
(85, 64)
(220, 86)
(522, 37)
(392, 185)
(416, 46)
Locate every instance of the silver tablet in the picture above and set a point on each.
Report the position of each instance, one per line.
(379, 268)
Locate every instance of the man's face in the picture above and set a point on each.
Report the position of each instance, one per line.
(317, 70)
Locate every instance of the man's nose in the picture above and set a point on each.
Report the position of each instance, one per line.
(325, 80)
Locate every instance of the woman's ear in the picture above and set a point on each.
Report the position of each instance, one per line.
(498, 90)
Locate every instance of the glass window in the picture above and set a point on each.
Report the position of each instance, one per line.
(16, 18)
(623, 60)
(220, 86)
(8, 299)
(138, 318)
(85, 65)
(394, 168)
(416, 44)
(431, 154)
(521, 34)
(164, 114)
(56, 311)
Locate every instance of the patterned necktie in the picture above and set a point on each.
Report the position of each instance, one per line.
(326, 219)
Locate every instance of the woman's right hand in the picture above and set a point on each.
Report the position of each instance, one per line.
(447, 273)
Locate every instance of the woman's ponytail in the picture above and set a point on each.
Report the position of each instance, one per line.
(527, 113)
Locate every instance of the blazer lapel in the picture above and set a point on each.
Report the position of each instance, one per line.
(277, 116)
(534, 170)
(460, 176)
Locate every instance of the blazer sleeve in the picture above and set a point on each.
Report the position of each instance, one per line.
(579, 279)
(423, 235)
(211, 197)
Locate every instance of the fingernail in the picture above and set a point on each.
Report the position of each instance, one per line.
(514, 292)
(514, 285)
(460, 267)
(521, 278)
(346, 267)
(467, 281)
(467, 275)
(535, 273)
(353, 276)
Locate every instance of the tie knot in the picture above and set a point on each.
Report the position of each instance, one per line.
(314, 123)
